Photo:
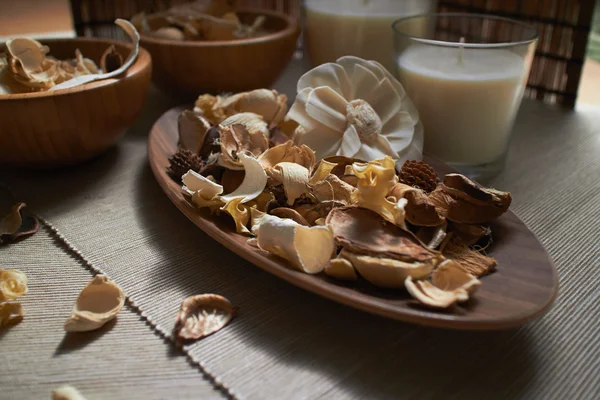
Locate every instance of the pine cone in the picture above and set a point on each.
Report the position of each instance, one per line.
(182, 162)
(418, 174)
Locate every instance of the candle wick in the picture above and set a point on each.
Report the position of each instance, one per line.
(461, 49)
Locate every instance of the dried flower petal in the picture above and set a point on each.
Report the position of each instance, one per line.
(254, 123)
(332, 188)
(387, 272)
(284, 212)
(66, 392)
(254, 181)
(13, 284)
(287, 152)
(450, 276)
(432, 296)
(202, 315)
(236, 139)
(269, 104)
(99, 302)
(341, 268)
(293, 177)
(10, 313)
(309, 249)
(324, 168)
(240, 214)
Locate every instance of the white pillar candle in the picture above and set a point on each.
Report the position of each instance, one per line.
(362, 28)
(467, 99)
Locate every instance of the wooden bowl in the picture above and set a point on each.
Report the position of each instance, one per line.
(195, 67)
(63, 127)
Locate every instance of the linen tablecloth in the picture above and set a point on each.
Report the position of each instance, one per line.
(110, 215)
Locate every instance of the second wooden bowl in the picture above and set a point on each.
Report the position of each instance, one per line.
(195, 67)
(63, 127)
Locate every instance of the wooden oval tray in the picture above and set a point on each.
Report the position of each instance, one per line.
(522, 288)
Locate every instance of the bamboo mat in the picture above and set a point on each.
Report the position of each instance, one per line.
(287, 343)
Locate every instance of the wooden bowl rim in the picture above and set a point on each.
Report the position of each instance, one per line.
(290, 29)
(142, 62)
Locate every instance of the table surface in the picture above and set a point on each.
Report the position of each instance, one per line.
(110, 215)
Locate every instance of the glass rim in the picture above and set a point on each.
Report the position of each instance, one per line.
(533, 37)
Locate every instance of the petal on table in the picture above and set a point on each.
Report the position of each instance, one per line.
(329, 74)
(298, 111)
(322, 140)
(364, 82)
(350, 143)
(328, 107)
(385, 100)
(399, 131)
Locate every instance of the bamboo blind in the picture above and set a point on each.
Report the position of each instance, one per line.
(563, 26)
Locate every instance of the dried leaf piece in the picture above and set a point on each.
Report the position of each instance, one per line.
(202, 315)
(419, 209)
(308, 249)
(111, 59)
(66, 392)
(332, 188)
(466, 201)
(450, 276)
(387, 272)
(284, 212)
(365, 232)
(10, 314)
(99, 302)
(13, 284)
(470, 260)
(341, 268)
(293, 177)
(236, 139)
(193, 129)
(287, 152)
(432, 296)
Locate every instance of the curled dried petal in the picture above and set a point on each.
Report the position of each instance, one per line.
(293, 177)
(332, 188)
(419, 210)
(99, 302)
(284, 212)
(236, 139)
(11, 222)
(450, 276)
(66, 392)
(287, 152)
(253, 123)
(13, 284)
(240, 214)
(432, 296)
(202, 315)
(324, 169)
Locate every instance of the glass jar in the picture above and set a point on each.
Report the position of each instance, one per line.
(336, 28)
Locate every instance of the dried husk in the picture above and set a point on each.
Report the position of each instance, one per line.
(332, 188)
(465, 201)
(287, 152)
(365, 232)
(202, 315)
(313, 212)
(450, 276)
(470, 260)
(254, 123)
(470, 234)
(10, 314)
(308, 249)
(111, 59)
(236, 139)
(192, 130)
(293, 177)
(430, 295)
(285, 212)
(419, 209)
(387, 272)
(99, 302)
(340, 268)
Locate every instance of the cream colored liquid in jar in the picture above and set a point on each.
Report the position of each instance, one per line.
(336, 28)
(467, 99)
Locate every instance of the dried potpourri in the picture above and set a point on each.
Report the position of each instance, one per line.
(27, 67)
(200, 20)
(345, 217)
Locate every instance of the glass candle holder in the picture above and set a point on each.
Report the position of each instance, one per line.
(337, 28)
(466, 74)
